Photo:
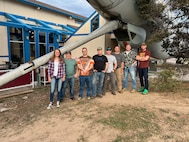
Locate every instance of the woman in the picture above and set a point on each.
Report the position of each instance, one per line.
(56, 75)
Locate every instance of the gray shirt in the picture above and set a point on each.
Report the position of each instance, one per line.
(111, 62)
(119, 58)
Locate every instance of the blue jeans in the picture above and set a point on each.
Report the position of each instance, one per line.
(83, 80)
(69, 81)
(97, 83)
(143, 75)
(132, 71)
(55, 81)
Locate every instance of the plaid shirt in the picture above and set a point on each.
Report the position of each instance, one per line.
(61, 69)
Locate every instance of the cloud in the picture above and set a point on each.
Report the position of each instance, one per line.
(76, 6)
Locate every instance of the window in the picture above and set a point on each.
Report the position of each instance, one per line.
(17, 52)
(42, 43)
(95, 23)
(42, 37)
(32, 44)
(51, 48)
(32, 36)
(51, 37)
(16, 34)
(16, 45)
(42, 49)
(32, 51)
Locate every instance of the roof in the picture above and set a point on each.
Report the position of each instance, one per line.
(45, 6)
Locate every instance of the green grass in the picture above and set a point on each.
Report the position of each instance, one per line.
(136, 123)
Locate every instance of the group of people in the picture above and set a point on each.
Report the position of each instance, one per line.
(97, 71)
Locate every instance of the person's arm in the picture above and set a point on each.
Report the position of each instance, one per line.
(134, 63)
(91, 65)
(76, 72)
(145, 58)
(115, 65)
(138, 57)
(106, 67)
(79, 65)
(49, 72)
(64, 72)
(122, 67)
(134, 58)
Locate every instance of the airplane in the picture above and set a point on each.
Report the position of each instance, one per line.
(122, 20)
(134, 30)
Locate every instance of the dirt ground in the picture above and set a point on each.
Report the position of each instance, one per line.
(124, 117)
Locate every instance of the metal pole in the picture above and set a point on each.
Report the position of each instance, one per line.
(27, 67)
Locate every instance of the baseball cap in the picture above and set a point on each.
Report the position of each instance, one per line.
(108, 48)
(68, 52)
(99, 48)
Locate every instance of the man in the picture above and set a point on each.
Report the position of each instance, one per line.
(129, 67)
(85, 66)
(100, 67)
(120, 65)
(112, 65)
(71, 74)
(144, 58)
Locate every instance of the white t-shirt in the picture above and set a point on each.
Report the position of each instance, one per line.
(55, 68)
(127, 52)
(111, 61)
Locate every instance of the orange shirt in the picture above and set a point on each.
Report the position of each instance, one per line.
(85, 62)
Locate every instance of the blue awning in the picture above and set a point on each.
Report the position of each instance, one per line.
(16, 21)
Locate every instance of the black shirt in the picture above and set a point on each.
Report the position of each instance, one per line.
(99, 62)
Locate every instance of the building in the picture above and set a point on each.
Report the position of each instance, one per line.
(30, 29)
(91, 24)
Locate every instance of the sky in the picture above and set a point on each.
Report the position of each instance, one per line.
(81, 7)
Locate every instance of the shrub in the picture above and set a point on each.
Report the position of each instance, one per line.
(165, 82)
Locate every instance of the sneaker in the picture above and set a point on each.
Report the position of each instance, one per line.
(145, 92)
(133, 91)
(92, 97)
(124, 89)
(120, 91)
(79, 98)
(58, 104)
(113, 93)
(100, 95)
(88, 98)
(49, 106)
(72, 98)
(141, 89)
